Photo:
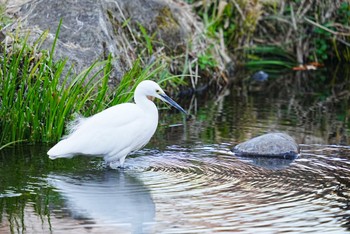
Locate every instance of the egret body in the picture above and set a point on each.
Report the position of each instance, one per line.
(116, 131)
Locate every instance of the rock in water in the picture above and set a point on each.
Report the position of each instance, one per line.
(278, 145)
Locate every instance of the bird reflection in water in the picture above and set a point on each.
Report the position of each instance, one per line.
(106, 199)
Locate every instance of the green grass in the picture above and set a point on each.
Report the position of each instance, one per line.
(269, 58)
(38, 96)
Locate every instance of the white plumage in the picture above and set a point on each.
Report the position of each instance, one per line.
(116, 131)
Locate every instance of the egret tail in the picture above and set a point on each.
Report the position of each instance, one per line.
(61, 150)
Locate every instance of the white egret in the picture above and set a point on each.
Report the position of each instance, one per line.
(116, 131)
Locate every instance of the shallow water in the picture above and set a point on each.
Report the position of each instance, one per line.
(186, 181)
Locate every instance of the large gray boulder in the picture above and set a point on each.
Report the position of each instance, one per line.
(278, 145)
(93, 29)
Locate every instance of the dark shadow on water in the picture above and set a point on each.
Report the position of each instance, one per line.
(271, 163)
(108, 197)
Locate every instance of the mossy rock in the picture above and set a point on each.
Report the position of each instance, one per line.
(91, 30)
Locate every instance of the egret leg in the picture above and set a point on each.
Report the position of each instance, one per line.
(121, 161)
(113, 165)
(117, 164)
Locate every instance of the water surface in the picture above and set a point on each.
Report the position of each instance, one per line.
(186, 181)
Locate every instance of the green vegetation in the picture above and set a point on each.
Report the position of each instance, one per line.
(38, 95)
(307, 31)
(269, 59)
(4, 19)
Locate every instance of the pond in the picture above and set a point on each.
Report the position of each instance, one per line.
(186, 181)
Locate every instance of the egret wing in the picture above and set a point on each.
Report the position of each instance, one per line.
(110, 130)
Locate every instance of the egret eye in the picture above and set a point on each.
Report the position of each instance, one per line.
(158, 91)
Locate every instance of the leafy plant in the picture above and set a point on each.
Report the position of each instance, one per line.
(206, 60)
(322, 45)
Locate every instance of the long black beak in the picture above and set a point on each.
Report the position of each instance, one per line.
(167, 99)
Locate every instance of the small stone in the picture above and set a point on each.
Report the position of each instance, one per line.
(278, 145)
(260, 76)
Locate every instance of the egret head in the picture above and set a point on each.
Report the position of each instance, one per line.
(152, 89)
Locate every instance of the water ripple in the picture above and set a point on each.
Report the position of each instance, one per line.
(239, 195)
(203, 189)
